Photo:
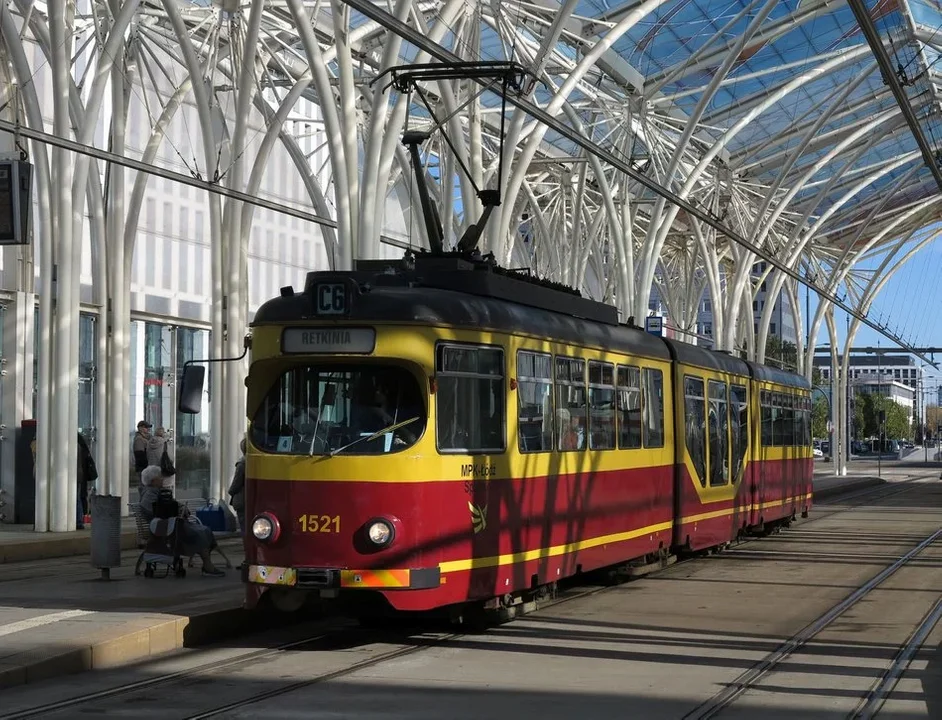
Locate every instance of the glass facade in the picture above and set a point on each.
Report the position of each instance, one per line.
(157, 354)
(88, 375)
(88, 379)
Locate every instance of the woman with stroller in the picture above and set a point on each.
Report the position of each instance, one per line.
(196, 539)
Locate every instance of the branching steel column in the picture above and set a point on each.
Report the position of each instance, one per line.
(889, 76)
(442, 54)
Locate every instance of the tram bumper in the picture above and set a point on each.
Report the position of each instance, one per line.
(328, 582)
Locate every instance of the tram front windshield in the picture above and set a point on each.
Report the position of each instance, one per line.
(345, 410)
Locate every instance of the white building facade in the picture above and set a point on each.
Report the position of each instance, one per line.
(781, 326)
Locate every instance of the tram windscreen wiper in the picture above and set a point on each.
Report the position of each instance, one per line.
(374, 436)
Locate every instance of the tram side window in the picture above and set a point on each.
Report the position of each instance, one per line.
(777, 434)
(695, 425)
(718, 423)
(470, 398)
(739, 422)
(788, 424)
(808, 419)
(570, 404)
(601, 406)
(766, 406)
(653, 408)
(629, 407)
(534, 401)
(798, 424)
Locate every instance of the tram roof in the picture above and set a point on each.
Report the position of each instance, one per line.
(410, 302)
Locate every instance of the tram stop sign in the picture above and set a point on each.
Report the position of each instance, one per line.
(654, 324)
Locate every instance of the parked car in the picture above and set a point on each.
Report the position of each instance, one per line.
(817, 452)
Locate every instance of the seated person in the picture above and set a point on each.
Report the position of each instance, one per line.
(196, 539)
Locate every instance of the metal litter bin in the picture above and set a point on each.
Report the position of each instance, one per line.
(106, 533)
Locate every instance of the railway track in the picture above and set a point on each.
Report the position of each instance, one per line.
(871, 703)
(322, 635)
(413, 639)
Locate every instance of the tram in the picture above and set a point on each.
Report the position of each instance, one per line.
(439, 432)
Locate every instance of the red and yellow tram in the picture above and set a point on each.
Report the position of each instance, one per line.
(444, 432)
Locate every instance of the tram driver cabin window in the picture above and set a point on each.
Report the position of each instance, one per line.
(470, 398)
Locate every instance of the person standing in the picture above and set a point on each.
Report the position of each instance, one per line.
(237, 489)
(156, 447)
(139, 450)
(86, 473)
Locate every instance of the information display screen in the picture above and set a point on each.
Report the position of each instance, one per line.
(7, 208)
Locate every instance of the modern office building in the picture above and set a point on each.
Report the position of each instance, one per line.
(898, 368)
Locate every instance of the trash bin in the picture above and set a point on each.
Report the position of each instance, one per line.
(106, 532)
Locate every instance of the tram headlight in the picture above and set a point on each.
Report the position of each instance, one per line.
(265, 528)
(380, 532)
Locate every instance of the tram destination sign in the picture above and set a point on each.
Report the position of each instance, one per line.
(327, 340)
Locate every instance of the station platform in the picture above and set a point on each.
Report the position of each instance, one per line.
(58, 617)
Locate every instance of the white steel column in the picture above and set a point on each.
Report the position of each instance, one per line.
(43, 239)
(835, 391)
(59, 424)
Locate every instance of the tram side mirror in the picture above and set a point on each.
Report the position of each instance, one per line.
(191, 389)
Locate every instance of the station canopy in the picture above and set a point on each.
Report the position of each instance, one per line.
(771, 115)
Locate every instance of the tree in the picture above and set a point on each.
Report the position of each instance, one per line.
(820, 414)
(781, 354)
(866, 416)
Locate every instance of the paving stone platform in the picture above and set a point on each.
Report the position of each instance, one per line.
(57, 616)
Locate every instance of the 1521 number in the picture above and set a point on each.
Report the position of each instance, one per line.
(319, 523)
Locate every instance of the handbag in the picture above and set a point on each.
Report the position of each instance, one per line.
(166, 465)
(165, 506)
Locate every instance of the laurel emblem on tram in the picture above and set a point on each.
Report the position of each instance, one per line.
(478, 517)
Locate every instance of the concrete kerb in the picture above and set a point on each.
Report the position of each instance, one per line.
(153, 638)
(47, 548)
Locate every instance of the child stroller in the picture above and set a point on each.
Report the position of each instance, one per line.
(164, 547)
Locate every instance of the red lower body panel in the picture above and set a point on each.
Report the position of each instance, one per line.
(458, 541)
(484, 538)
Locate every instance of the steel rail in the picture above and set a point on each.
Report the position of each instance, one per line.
(873, 702)
(748, 679)
(42, 710)
(441, 53)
